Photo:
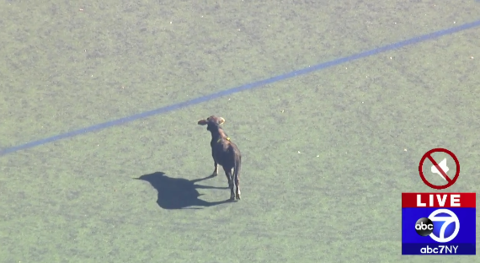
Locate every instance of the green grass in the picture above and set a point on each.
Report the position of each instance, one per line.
(326, 155)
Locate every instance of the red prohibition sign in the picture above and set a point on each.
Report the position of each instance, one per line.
(429, 156)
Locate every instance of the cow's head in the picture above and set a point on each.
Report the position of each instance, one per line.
(212, 122)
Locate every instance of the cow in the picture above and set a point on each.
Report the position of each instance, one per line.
(224, 153)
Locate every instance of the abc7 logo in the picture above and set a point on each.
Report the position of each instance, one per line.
(424, 226)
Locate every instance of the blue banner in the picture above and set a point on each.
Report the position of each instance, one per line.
(459, 226)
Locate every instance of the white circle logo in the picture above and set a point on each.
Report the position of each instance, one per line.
(452, 218)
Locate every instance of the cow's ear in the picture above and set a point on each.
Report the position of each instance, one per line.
(202, 122)
(221, 120)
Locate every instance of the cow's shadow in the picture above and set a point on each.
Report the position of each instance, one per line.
(178, 193)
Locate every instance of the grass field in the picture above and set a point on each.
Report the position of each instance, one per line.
(326, 155)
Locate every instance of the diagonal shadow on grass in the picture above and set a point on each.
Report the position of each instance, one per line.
(178, 193)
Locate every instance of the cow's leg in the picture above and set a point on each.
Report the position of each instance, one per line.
(236, 174)
(228, 173)
(215, 171)
(237, 184)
